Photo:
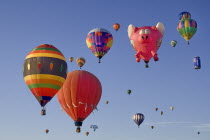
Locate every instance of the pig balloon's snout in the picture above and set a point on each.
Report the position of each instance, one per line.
(144, 37)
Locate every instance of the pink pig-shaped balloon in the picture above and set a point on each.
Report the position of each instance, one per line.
(146, 41)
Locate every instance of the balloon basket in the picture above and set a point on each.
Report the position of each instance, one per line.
(43, 112)
(78, 130)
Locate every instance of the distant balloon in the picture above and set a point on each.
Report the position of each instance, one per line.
(172, 108)
(46, 131)
(156, 109)
(129, 91)
(161, 113)
(173, 43)
(94, 127)
(44, 71)
(152, 127)
(71, 59)
(197, 62)
(138, 118)
(198, 133)
(107, 102)
(116, 26)
(184, 15)
(87, 133)
(187, 28)
(80, 61)
(99, 41)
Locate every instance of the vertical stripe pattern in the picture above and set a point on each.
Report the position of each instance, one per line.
(138, 118)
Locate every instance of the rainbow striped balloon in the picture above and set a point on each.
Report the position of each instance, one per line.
(80, 61)
(187, 28)
(44, 71)
(100, 41)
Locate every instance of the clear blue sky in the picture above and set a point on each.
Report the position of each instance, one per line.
(172, 81)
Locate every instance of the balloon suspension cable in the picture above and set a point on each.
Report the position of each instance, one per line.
(188, 42)
(99, 61)
(80, 67)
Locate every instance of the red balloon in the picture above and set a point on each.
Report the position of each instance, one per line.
(80, 95)
(146, 41)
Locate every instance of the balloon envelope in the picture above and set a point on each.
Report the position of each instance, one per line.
(187, 28)
(138, 118)
(80, 95)
(99, 41)
(116, 26)
(173, 43)
(44, 72)
(80, 61)
(184, 15)
(71, 59)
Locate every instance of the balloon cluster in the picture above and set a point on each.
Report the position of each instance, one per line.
(187, 27)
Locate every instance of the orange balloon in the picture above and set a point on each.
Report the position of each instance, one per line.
(80, 95)
(116, 26)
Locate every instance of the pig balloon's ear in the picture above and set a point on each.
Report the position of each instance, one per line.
(160, 27)
(130, 30)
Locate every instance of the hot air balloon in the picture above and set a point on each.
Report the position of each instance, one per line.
(116, 26)
(173, 43)
(80, 61)
(146, 41)
(152, 127)
(184, 15)
(161, 113)
(99, 41)
(198, 133)
(46, 131)
(44, 72)
(107, 102)
(156, 109)
(187, 28)
(87, 133)
(129, 91)
(138, 118)
(197, 62)
(172, 108)
(80, 95)
(94, 127)
(71, 59)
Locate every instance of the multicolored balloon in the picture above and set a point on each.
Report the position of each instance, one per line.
(173, 43)
(184, 15)
(44, 71)
(80, 95)
(146, 41)
(187, 28)
(99, 41)
(116, 26)
(138, 118)
(71, 59)
(80, 61)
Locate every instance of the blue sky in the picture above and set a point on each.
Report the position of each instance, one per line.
(172, 81)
